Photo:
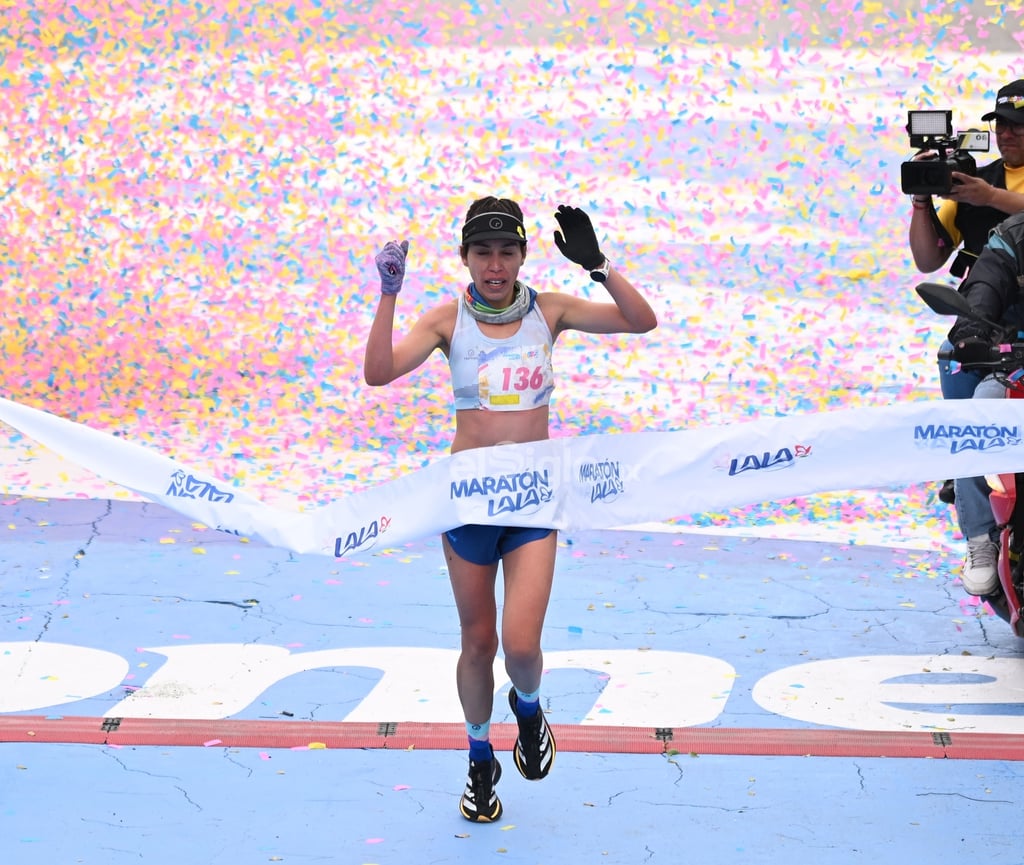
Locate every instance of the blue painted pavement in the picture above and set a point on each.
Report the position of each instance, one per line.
(146, 590)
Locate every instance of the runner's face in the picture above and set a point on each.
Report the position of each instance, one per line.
(494, 267)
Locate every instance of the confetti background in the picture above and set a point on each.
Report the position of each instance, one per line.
(191, 196)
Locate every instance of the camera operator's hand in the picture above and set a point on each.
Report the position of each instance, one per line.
(969, 330)
(972, 350)
(971, 190)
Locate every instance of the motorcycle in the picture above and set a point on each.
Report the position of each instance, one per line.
(1005, 361)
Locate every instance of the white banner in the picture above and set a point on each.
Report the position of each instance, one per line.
(587, 482)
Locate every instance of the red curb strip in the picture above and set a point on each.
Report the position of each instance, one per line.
(339, 735)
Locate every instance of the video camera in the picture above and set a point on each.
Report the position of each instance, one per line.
(933, 130)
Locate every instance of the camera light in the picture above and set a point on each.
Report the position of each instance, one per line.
(933, 124)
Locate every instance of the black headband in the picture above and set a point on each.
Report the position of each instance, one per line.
(493, 226)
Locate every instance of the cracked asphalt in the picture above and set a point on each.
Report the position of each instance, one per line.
(755, 620)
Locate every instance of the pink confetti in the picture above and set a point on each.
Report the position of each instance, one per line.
(757, 204)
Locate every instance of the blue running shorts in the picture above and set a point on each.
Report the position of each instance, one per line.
(485, 545)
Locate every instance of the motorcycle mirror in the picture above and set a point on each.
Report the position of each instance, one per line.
(945, 300)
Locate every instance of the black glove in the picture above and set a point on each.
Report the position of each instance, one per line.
(968, 328)
(972, 349)
(577, 240)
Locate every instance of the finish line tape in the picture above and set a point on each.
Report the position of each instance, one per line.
(586, 482)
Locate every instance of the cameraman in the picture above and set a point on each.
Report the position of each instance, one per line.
(973, 207)
(993, 288)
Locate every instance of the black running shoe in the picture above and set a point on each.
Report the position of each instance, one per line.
(535, 746)
(479, 802)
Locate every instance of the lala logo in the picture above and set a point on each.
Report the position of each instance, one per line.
(515, 492)
(603, 478)
(185, 486)
(781, 458)
(363, 539)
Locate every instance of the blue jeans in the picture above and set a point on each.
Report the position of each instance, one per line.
(957, 385)
(973, 512)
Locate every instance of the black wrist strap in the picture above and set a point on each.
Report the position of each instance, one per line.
(940, 229)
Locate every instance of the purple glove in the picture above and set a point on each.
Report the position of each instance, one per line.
(391, 266)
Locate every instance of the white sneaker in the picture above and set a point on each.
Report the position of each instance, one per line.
(979, 575)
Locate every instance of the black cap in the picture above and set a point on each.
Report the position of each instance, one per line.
(1009, 103)
(493, 226)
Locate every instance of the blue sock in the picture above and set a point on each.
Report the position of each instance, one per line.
(479, 741)
(527, 704)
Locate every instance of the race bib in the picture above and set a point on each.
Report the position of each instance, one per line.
(515, 377)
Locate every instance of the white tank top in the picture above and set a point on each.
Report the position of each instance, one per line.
(511, 374)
